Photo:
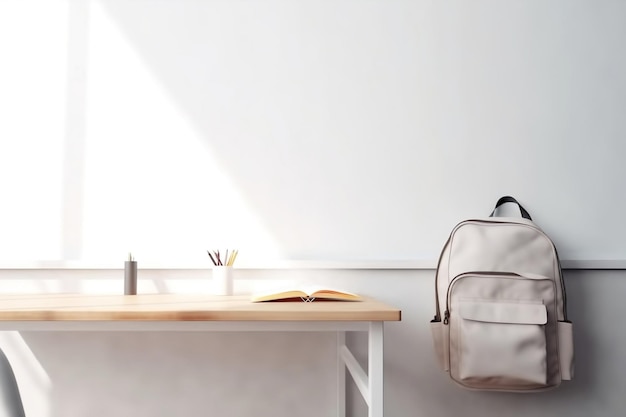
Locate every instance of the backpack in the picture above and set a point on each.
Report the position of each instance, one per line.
(501, 321)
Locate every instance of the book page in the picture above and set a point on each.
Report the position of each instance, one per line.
(306, 293)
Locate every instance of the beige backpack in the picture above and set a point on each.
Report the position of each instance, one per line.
(501, 321)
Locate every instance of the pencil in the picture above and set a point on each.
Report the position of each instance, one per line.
(211, 256)
(233, 256)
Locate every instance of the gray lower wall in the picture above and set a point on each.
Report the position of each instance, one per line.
(148, 374)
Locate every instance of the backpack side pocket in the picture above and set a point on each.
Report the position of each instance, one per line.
(440, 343)
(566, 350)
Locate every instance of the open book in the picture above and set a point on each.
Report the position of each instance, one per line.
(306, 294)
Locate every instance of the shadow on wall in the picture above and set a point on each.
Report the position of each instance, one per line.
(10, 399)
(25, 386)
(584, 299)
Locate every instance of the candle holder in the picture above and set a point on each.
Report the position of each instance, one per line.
(130, 276)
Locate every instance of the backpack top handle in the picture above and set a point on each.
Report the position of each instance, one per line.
(509, 199)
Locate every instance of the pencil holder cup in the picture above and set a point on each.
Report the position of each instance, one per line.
(223, 280)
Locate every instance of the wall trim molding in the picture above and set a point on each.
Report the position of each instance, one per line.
(570, 264)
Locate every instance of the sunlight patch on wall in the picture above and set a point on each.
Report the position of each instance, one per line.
(33, 41)
(152, 185)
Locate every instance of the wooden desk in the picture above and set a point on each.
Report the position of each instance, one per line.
(173, 312)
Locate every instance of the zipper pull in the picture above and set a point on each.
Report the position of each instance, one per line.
(446, 317)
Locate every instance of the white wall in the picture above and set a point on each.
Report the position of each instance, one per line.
(301, 130)
(343, 130)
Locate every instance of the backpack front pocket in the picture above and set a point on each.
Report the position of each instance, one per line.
(501, 343)
(499, 327)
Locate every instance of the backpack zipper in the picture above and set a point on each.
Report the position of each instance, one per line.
(509, 275)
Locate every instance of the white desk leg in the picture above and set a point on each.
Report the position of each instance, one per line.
(375, 369)
(341, 376)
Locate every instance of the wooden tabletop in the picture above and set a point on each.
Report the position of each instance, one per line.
(176, 307)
